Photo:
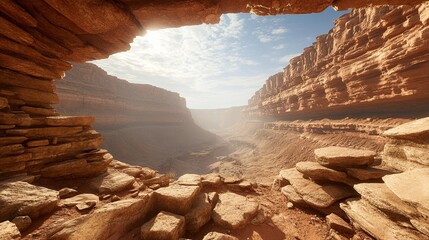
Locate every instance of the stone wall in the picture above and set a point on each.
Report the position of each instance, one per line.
(374, 61)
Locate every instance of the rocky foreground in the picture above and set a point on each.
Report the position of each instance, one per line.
(387, 198)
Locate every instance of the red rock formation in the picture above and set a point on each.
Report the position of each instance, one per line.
(374, 60)
(89, 90)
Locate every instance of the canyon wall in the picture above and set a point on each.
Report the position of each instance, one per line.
(116, 103)
(374, 61)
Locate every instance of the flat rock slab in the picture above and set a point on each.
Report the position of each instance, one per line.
(344, 157)
(111, 181)
(165, 226)
(9, 231)
(315, 171)
(292, 195)
(234, 211)
(218, 236)
(290, 174)
(411, 187)
(320, 196)
(78, 199)
(338, 224)
(376, 223)
(177, 199)
(211, 180)
(379, 195)
(369, 173)
(69, 120)
(24, 199)
(111, 221)
(190, 179)
(410, 130)
(200, 213)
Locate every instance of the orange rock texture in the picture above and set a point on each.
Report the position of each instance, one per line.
(374, 60)
(89, 90)
(39, 39)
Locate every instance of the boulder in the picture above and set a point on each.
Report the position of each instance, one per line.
(291, 195)
(234, 211)
(289, 175)
(111, 221)
(78, 199)
(211, 180)
(165, 226)
(315, 171)
(344, 157)
(380, 196)
(177, 199)
(24, 199)
(320, 196)
(365, 174)
(199, 214)
(411, 187)
(111, 181)
(189, 180)
(22, 222)
(376, 223)
(218, 236)
(410, 130)
(338, 224)
(132, 171)
(67, 192)
(9, 231)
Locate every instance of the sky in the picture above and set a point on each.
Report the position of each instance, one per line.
(221, 65)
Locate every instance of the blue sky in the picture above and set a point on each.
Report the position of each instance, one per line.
(222, 65)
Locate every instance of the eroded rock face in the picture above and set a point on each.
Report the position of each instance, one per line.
(234, 211)
(111, 221)
(9, 231)
(87, 86)
(21, 199)
(164, 226)
(369, 61)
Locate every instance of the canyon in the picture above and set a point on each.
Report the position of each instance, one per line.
(57, 182)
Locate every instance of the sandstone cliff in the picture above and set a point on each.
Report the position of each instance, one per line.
(116, 103)
(374, 61)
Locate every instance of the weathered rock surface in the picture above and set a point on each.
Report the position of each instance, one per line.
(218, 236)
(344, 157)
(80, 199)
(338, 224)
(176, 199)
(376, 223)
(24, 199)
(291, 195)
(368, 173)
(315, 171)
(411, 187)
(189, 180)
(22, 222)
(164, 226)
(411, 130)
(111, 221)
(234, 211)
(380, 196)
(9, 231)
(112, 181)
(200, 213)
(343, 71)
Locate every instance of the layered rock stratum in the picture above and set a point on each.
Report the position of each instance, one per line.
(373, 62)
(89, 90)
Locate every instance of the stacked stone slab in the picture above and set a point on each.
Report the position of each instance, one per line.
(325, 183)
(397, 207)
(50, 146)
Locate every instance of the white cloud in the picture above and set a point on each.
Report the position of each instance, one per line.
(279, 31)
(265, 38)
(288, 57)
(278, 47)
